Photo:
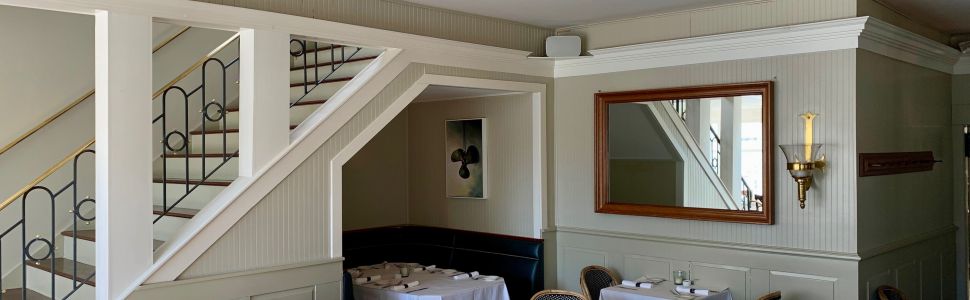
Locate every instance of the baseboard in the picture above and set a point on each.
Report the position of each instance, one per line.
(321, 278)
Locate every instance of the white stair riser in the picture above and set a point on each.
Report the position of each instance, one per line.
(324, 91)
(166, 228)
(346, 70)
(324, 56)
(213, 143)
(40, 281)
(195, 200)
(175, 168)
(297, 115)
(85, 250)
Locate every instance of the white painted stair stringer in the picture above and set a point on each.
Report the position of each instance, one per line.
(200, 232)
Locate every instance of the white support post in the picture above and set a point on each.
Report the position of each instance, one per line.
(123, 161)
(264, 81)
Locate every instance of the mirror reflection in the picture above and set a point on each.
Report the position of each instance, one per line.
(701, 153)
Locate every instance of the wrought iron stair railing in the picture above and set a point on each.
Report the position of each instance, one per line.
(302, 50)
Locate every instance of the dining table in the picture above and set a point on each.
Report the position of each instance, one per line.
(434, 284)
(662, 291)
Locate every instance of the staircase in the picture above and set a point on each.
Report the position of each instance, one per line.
(199, 144)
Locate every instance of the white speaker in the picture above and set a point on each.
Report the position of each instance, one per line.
(563, 46)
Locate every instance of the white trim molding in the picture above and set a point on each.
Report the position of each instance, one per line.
(852, 33)
(963, 65)
(898, 43)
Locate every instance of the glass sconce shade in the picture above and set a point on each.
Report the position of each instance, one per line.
(801, 158)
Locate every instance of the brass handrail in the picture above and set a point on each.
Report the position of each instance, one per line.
(194, 66)
(46, 174)
(64, 161)
(74, 103)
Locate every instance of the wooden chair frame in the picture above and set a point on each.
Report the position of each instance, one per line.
(558, 292)
(582, 278)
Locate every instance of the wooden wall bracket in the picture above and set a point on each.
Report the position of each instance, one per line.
(879, 164)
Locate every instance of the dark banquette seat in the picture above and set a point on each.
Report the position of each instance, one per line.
(517, 259)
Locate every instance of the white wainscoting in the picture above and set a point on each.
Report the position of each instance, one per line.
(922, 269)
(748, 273)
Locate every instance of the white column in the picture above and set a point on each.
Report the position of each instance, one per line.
(123, 129)
(264, 81)
(699, 124)
(731, 145)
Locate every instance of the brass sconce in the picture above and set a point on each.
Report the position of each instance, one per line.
(804, 160)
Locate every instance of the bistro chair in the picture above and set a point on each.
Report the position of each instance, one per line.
(776, 295)
(886, 292)
(592, 279)
(558, 295)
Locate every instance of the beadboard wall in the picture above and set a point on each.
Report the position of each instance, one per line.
(286, 227)
(711, 20)
(401, 16)
(961, 116)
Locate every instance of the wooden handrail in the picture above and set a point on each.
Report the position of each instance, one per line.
(74, 103)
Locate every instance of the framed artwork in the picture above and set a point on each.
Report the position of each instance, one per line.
(465, 158)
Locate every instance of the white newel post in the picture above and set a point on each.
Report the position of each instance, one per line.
(264, 82)
(123, 129)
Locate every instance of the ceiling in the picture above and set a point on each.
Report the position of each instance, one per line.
(440, 93)
(560, 13)
(949, 16)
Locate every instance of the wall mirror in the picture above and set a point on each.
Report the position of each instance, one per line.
(702, 153)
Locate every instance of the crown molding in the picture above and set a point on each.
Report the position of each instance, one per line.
(898, 43)
(852, 33)
(963, 65)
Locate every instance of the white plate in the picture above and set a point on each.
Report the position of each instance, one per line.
(449, 271)
(489, 278)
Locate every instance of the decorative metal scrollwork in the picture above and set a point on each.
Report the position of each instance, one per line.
(168, 141)
(77, 209)
(50, 249)
(219, 109)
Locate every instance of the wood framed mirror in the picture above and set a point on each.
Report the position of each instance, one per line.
(699, 153)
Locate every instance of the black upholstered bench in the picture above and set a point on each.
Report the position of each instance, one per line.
(517, 259)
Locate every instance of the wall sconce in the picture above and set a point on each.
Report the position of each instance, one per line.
(804, 160)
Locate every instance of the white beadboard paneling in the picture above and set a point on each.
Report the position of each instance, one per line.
(411, 18)
(289, 225)
(508, 149)
(819, 82)
(375, 182)
(747, 274)
(711, 20)
(921, 270)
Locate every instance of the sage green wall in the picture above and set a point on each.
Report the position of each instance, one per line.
(961, 116)
(508, 207)
(901, 108)
(402, 16)
(375, 182)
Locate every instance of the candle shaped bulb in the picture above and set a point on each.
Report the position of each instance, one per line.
(809, 117)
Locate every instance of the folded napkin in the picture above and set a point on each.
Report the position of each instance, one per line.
(701, 292)
(632, 283)
(367, 279)
(406, 285)
(428, 268)
(353, 272)
(461, 276)
(474, 274)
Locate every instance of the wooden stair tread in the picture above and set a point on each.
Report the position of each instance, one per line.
(324, 64)
(325, 81)
(228, 130)
(18, 293)
(187, 213)
(65, 268)
(327, 48)
(193, 181)
(89, 235)
(301, 103)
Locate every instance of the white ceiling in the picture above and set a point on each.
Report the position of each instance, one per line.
(562, 13)
(440, 93)
(949, 16)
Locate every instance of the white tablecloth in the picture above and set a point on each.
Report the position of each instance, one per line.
(439, 287)
(657, 292)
